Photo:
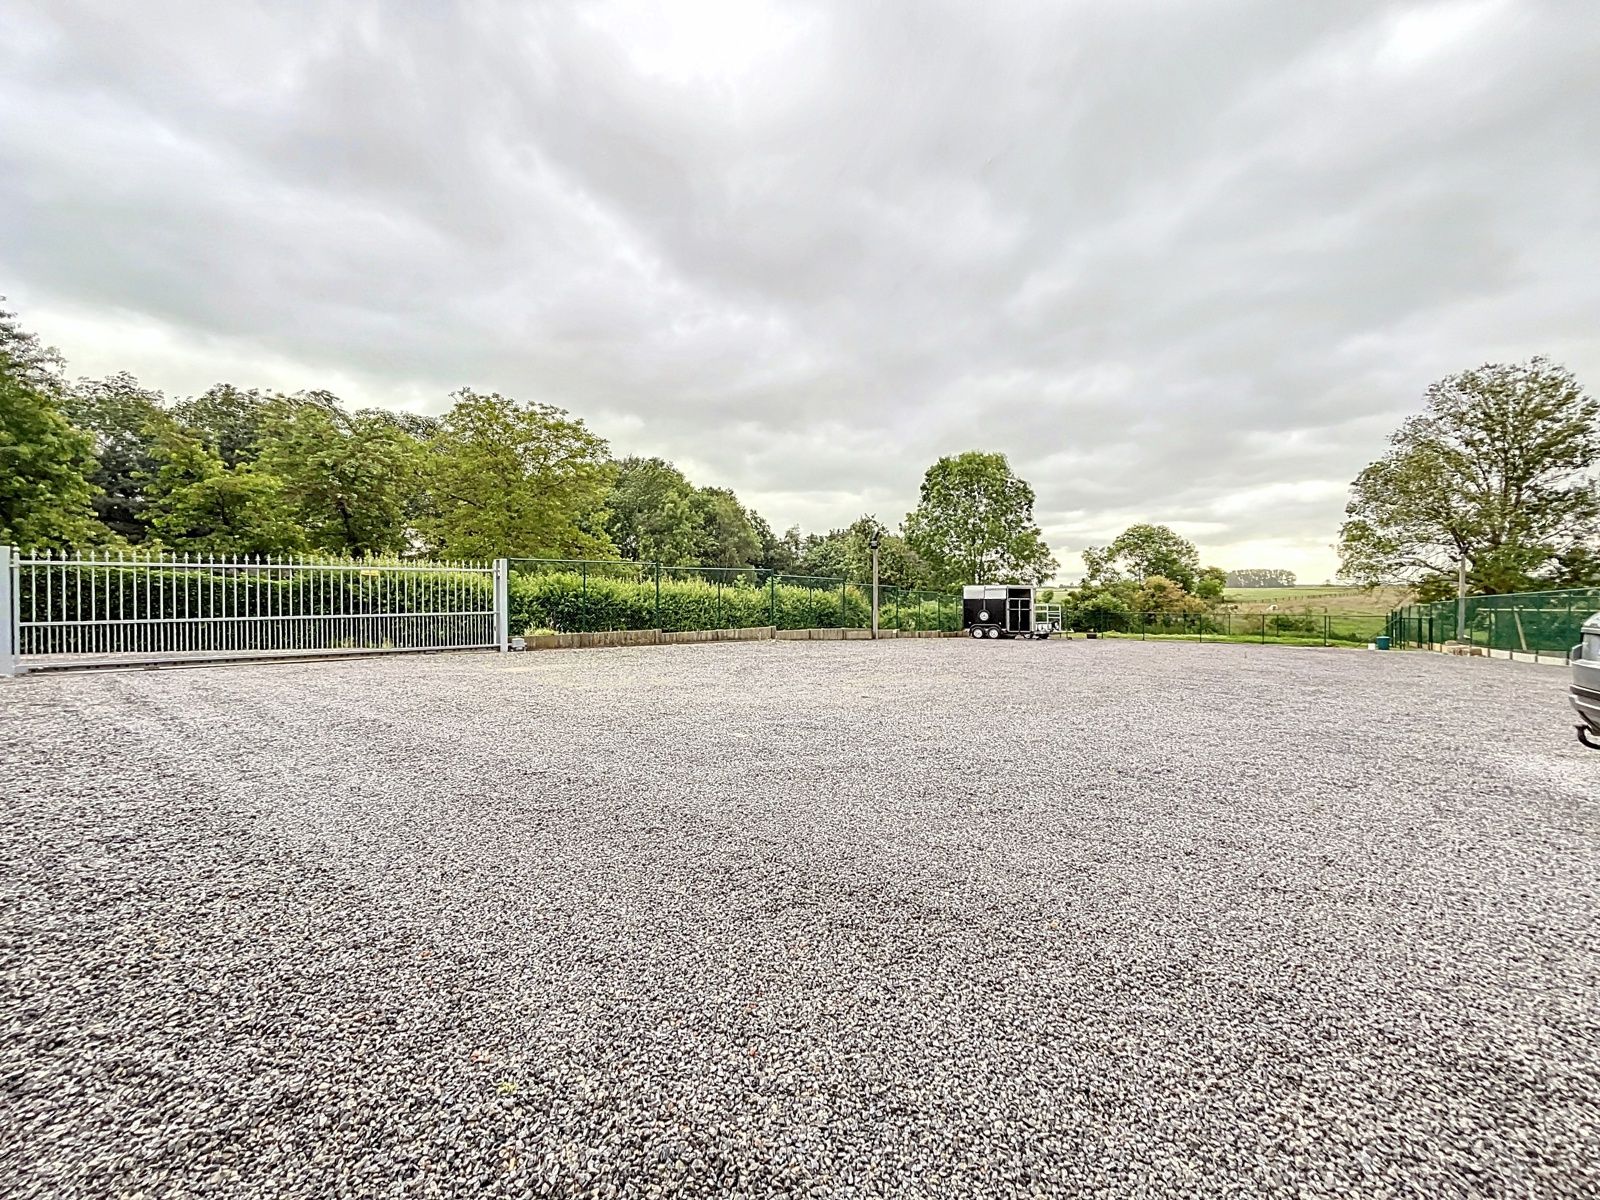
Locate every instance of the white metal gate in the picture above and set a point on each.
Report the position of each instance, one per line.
(88, 609)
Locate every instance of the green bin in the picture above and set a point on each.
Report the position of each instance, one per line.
(1383, 641)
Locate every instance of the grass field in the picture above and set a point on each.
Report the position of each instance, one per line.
(1318, 599)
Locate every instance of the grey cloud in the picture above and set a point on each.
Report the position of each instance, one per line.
(1162, 255)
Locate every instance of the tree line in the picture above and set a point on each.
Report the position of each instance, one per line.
(111, 463)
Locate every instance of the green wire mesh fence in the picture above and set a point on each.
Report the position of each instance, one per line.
(1288, 628)
(1537, 623)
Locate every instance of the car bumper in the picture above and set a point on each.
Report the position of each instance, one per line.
(1586, 692)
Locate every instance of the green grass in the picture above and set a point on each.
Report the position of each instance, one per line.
(1335, 600)
(1274, 595)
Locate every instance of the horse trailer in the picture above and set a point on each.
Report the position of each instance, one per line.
(1585, 662)
(1006, 611)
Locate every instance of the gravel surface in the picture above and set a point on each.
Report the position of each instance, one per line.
(921, 918)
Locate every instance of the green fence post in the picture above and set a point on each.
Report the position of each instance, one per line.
(1263, 629)
(722, 620)
(658, 594)
(584, 567)
(1141, 627)
(841, 604)
(772, 599)
(1200, 624)
(1327, 627)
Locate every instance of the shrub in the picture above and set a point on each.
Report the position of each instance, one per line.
(570, 603)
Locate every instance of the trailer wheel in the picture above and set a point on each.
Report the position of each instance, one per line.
(977, 631)
(993, 632)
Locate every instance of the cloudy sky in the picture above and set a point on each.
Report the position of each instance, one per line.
(1182, 261)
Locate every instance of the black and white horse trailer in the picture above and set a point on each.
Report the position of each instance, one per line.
(997, 611)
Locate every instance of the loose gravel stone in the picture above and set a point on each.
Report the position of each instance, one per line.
(920, 918)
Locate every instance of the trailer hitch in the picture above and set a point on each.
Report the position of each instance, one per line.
(1586, 736)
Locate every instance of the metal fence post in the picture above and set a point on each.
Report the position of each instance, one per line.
(502, 605)
(658, 594)
(9, 608)
(772, 599)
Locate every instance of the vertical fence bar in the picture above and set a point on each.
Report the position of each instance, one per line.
(502, 604)
(10, 611)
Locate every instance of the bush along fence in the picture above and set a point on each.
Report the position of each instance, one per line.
(591, 596)
(1540, 624)
(1293, 629)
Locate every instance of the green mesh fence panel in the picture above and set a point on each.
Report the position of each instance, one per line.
(1525, 622)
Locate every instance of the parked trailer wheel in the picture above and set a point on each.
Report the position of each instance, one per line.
(993, 632)
(977, 631)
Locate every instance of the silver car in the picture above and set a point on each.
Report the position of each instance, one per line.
(1585, 661)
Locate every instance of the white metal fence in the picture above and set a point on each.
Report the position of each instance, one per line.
(99, 609)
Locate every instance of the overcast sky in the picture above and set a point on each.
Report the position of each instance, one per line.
(1183, 262)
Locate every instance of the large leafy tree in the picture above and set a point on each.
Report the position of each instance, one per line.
(517, 479)
(350, 480)
(127, 421)
(1142, 551)
(228, 420)
(974, 523)
(196, 502)
(724, 536)
(848, 553)
(778, 553)
(652, 512)
(1499, 469)
(46, 496)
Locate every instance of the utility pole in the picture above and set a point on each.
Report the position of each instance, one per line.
(872, 544)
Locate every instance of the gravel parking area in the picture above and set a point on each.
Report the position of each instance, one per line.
(921, 918)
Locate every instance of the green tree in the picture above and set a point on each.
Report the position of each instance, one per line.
(781, 554)
(825, 554)
(126, 421)
(847, 553)
(523, 480)
(725, 536)
(1211, 583)
(1498, 469)
(196, 502)
(1141, 551)
(46, 497)
(1158, 594)
(652, 512)
(350, 480)
(227, 420)
(974, 523)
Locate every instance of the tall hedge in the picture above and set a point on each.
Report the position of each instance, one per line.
(568, 603)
